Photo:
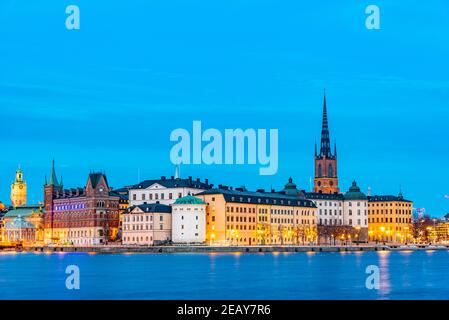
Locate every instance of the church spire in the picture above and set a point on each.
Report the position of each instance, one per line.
(325, 150)
(53, 178)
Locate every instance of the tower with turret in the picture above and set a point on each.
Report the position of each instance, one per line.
(18, 190)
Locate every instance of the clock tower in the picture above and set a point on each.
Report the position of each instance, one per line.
(18, 190)
(326, 179)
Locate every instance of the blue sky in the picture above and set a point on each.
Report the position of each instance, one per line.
(106, 97)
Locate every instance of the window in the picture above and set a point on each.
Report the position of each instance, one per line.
(331, 171)
(320, 171)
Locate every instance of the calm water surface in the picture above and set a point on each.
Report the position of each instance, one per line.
(404, 275)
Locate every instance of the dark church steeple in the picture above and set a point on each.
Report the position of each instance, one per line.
(325, 150)
(326, 179)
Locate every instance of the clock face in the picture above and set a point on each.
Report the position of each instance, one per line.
(101, 189)
(20, 187)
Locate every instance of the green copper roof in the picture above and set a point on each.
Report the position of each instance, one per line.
(189, 200)
(354, 193)
(24, 211)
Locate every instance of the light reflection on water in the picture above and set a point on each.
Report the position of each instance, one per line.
(311, 275)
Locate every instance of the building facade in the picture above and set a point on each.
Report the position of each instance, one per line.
(165, 190)
(147, 225)
(34, 214)
(326, 175)
(390, 219)
(241, 217)
(20, 231)
(189, 220)
(80, 216)
(18, 190)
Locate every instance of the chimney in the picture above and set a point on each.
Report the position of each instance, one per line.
(163, 178)
(198, 180)
(207, 181)
(260, 190)
(172, 177)
(190, 178)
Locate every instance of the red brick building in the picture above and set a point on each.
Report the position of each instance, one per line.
(80, 216)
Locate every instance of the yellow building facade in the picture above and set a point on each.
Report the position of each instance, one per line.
(239, 217)
(390, 219)
(18, 190)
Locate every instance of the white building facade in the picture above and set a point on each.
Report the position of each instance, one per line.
(189, 220)
(349, 209)
(165, 190)
(356, 209)
(330, 208)
(147, 225)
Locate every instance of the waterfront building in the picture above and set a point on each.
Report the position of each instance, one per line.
(326, 175)
(80, 216)
(330, 208)
(147, 224)
(441, 233)
(189, 220)
(165, 190)
(18, 190)
(355, 212)
(33, 214)
(19, 230)
(240, 217)
(123, 195)
(389, 218)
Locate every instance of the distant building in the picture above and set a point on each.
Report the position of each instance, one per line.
(147, 225)
(241, 217)
(341, 217)
(81, 216)
(18, 190)
(19, 230)
(165, 190)
(33, 214)
(189, 220)
(123, 195)
(390, 218)
(355, 212)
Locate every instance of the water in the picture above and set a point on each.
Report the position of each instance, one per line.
(404, 275)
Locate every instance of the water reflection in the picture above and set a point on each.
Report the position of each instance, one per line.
(385, 285)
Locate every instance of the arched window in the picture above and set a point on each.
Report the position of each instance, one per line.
(320, 171)
(331, 171)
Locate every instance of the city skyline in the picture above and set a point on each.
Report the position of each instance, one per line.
(94, 99)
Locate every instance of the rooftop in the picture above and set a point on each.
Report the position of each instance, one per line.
(259, 197)
(24, 211)
(174, 183)
(383, 198)
(189, 200)
(152, 207)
